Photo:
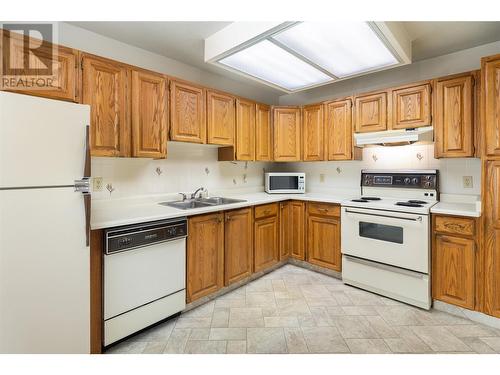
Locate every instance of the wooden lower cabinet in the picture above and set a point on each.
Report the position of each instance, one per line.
(292, 232)
(454, 252)
(266, 237)
(238, 245)
(205, 255)
(323, 236)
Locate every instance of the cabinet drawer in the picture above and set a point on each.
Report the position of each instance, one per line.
(324, 209)
(454, 225)
(266, 210)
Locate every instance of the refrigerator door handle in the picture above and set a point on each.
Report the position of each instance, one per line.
(83, 186)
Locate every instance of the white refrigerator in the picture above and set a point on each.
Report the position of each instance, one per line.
(44, 226)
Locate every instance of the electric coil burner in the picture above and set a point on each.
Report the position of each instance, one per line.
(386, 234)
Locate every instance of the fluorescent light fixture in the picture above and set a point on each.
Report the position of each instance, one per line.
(342, 48)
(268, 62)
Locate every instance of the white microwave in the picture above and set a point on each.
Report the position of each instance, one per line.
(284, 182)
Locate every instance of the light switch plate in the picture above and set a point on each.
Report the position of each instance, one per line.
(322, 177)
(468, 183)
(97, 183)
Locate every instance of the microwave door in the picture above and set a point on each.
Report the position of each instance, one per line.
(284, 183)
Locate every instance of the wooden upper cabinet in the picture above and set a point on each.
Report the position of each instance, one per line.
(221, 118)
(313, 133)
(411, 106)
(371, 112)
(149, 115)
(187, 113)
(338, 128)
(238, 245)
(105, 89)
(491, 241)
(263, 133)
(63, 83)
(454, 117)
(454, 270)
(287, 133)
(205, 255)
(245, 129)
(490, 113)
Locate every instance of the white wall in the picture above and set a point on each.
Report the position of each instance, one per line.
(458, 62)
(347, 177)
(85, 40)
(184, 170)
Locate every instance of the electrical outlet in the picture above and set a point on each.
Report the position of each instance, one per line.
(97, 184)
(468, 183)
(322, 177)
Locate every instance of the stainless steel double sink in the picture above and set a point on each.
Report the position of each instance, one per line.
(190, 204)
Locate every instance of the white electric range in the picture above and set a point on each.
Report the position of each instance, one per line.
(386, 234)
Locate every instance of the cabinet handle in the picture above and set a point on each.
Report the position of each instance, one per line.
(323, 209)
(228, 218)
(267, 212)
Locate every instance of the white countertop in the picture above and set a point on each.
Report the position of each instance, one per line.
(458, 205)
(112, 213)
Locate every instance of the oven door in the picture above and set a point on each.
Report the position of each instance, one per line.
(395, 238)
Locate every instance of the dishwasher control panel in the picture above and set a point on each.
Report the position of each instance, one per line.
(140, 235)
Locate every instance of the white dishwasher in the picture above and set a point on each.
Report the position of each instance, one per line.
(144, 276)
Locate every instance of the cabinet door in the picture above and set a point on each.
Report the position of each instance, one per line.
(149, 115)
(491, 242)
(61, 83)
(245, 130)
(454, 114)
(266, 250)
(297, 230)
(263, 133)
(105, 89)
(338, 125)
(313, 133)
(187, 113)
(221, 118)
(411, 107)
(238, 245)
(285, 230)
(323, 241)
(287, 133)
(454, 270)
(491, 104)
(205, 255)
(371, 112)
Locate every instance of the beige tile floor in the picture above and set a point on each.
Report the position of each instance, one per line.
(294, 310)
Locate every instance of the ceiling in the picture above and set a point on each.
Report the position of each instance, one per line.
(184, 41)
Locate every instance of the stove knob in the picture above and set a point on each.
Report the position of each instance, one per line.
(415, 181)
(407, 181)
(427, 184)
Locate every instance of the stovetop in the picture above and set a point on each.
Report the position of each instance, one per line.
(392, 204)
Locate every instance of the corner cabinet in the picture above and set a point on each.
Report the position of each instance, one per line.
(411, 106)
(245, 129)
(205, 255)
(238, 245)
(263, 133)
(149, 115)
(313, 133)
(292, 231)
(221, 118)
(287, 133)
(371, 112)
(454, 116)
(187, 113)
(266, 236)
(323, 235)
(105, 84)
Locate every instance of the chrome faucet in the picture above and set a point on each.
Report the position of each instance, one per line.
(201, 189)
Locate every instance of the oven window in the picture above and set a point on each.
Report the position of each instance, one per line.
(381, 232)
(284, 182)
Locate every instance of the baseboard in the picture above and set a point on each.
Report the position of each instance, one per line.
(474, 316)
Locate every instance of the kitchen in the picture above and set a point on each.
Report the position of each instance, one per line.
(251, 195)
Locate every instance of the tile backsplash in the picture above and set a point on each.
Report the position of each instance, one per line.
(190, 166)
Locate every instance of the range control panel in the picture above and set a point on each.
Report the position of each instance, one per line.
(415, 179)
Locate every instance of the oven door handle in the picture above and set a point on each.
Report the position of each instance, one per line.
(417, 219)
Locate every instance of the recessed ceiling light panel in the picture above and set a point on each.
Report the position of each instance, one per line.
(341, 48)
(268, 62)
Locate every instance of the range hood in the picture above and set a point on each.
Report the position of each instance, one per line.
(395, 137)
